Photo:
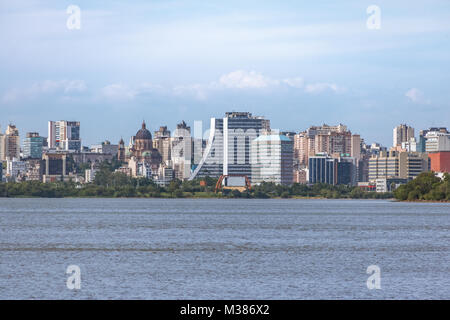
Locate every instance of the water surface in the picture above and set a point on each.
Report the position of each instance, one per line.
(223, 249)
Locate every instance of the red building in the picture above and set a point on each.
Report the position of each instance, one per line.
(440, 161)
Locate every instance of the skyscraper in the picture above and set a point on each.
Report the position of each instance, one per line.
(161, 141)
(272, 159)
(182, 147)
(64, 135)
(402, 133)
(32, 145)
(10, 144)
(229, 145)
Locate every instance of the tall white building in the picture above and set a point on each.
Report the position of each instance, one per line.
(272, 159)
(64, 135)
(229, 144)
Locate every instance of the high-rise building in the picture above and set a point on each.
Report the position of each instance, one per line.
(161, 141)
(10, 144)
(356, 147)
(402, 133)
(2, 147)
(32, 146)
(182, 151)
(347, 171)
(272, 159)
(301, 148)
(228, 148)
(332, 140)
(322, 169)
(64, 135)
(393, 164)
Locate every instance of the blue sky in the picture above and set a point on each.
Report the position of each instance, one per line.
(299, 63)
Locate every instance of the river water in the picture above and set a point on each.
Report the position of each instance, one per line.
(223, 249)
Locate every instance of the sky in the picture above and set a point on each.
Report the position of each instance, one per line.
(298, 63)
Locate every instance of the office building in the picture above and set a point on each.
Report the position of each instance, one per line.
(32, 146)
(393, 164)
(54, 167)
(347, 170)
(436, 141)
(64, 135)
(421, 145)
(322, 169)
(272, 159)
(228, 147)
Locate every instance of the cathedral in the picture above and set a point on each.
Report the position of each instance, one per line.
(141, 149)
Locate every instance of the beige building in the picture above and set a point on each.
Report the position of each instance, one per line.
(393, 164)
(181, 151)
(333, 140)
(161, 141)
(402, 133)
(10, 143)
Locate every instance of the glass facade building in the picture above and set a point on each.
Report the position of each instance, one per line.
(229, 145)
(322, 169)
(32, 146)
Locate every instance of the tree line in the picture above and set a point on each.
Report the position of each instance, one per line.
(425, 186)
(108, 183)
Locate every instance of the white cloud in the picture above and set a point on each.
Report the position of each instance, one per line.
(118, 91)
(61, 87)
(252, 80)
(322, 87)
(199, 91)
(294, 82)
(241, 79)
(416, 96)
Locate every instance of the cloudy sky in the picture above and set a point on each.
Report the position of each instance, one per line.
(298, 63)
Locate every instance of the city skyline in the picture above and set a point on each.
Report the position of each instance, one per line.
(296, 64)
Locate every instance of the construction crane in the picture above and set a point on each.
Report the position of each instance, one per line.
(223, 183)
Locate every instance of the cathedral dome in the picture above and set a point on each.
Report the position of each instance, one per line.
(143, 133)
